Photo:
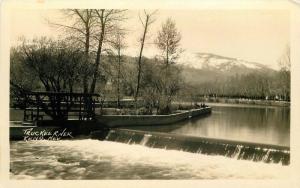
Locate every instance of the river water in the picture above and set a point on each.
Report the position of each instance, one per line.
(250, 123)
(93, 159)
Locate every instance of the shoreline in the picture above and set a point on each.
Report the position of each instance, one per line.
(247, 102)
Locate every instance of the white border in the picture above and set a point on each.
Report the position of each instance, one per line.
(153, 4)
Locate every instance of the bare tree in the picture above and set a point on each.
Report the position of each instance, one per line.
(91, 29)
(55, 66)
(55, 63)
(168, 41)
(107, 23)
(284, 75)
(22, 78)
(148, 20)
(80, 31)
(118, 45)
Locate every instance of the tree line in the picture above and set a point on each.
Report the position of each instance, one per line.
(257, 86)
(89, 58)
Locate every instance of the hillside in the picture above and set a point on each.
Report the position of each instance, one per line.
(204, 67)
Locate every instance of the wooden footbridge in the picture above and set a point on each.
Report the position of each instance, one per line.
(59, 105)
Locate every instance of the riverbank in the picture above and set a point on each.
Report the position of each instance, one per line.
(247, 101)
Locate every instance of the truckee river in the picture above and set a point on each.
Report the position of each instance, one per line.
(93, 159)
(261, 124)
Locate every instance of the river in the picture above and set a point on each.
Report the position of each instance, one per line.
(93, 159)
(250, 123)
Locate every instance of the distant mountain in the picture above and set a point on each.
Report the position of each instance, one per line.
(209, 61)
(203, 67)
(199, 68)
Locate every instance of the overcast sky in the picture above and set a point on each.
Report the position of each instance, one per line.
(253, 35)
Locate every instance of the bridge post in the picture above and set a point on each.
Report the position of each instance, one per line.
(80, 101)
(37, 113)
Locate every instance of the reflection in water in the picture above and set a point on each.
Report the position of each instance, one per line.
(270, 125)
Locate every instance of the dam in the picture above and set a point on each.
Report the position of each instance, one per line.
(243, 139)
(256, 152)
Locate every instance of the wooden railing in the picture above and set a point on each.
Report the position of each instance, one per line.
(59, 106)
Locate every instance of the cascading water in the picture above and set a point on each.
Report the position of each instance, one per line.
(145, 139)
(233, 149)
(93, 159)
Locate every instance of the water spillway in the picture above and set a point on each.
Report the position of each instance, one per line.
(93, 159)
(182, 150)
(257, 152)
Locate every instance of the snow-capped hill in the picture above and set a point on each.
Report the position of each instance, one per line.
(213, 62)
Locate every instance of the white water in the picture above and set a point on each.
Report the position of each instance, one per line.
(93, 159)
(145, 139)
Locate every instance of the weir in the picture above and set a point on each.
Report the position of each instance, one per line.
(256, 152)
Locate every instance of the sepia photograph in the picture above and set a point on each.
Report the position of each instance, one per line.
(149, 94)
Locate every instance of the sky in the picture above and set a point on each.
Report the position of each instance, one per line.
(254, 35)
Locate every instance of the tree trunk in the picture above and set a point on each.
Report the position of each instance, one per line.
(140, 61)
(98, 56)
(118, 79)
(85, 75)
